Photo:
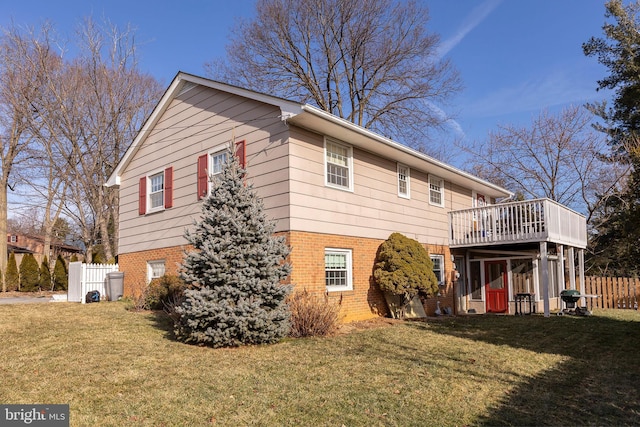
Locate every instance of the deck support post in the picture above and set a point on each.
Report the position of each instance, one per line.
(581, 272)
(572, 267)
(561, 263)
(544, 276)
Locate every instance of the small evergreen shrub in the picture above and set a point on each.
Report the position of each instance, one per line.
(45, 275)
(29, 274)
(60, 275)
(12, 277)
(403, 268)
(97, 258)
(312, 314)
(165, 292)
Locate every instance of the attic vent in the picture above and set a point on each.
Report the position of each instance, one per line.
(186, 87)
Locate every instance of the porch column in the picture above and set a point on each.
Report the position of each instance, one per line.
(561, 280)
(572, 267)
(581, 272)
(544, 277)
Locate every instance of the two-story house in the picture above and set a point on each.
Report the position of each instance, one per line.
(336, 191)
(20, 243)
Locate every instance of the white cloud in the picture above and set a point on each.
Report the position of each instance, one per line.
(472, 20)
(477, 15)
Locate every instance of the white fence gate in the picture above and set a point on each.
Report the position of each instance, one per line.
(88, 277)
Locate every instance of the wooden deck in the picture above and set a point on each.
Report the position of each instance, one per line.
(539, 220)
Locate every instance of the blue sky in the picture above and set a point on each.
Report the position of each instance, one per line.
(516, 57)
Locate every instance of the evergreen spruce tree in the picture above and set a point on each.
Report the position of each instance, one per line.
(12, 277)
(60, 275)
(29, 274)
(45, 275)
(235, 270)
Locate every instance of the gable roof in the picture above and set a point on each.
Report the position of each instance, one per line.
(319, 121)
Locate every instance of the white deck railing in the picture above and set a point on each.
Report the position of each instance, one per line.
(518, 222)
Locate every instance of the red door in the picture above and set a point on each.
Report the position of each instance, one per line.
(496, 286)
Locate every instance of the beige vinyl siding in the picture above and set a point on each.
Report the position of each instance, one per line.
(195, 122)
(373, 209)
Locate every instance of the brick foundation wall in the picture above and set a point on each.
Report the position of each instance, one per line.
(134, 266)
(365, 301)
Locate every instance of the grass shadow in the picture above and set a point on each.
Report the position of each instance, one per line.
(162, 321)
(596, 385)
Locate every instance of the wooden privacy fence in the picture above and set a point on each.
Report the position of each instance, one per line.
(615, 292)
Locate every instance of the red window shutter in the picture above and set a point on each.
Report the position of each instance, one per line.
(142, 196)
(168, 187)
(241, 153)
(203, 179)
(8, 239)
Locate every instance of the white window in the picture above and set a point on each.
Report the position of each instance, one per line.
(217, 161)
(403, 181)
(155, 269)
(156, 191)
(337, 269)
(436, 191)
(14, 238)
(338, 160)
(438, 267)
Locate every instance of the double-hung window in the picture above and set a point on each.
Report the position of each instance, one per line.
(436, 191)
(403, 181)
(213, 162)
(338, 165)
(337, 269)
(438, 267)
(217, 161)
(156, 191)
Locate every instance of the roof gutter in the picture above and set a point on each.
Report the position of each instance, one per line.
(402, 148)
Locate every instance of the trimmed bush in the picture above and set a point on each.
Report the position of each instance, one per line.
(312, 314)
(165, 292)
(403, 268)
(29, 274)
(60, 275)
(45, 275)
(12, 277)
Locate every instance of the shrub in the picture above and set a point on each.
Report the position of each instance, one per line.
(29, 274)
(97, 258)
(60, 275)
(165, 292)
(312, 315)
(403, 267)
(12, 277)
(45, 275)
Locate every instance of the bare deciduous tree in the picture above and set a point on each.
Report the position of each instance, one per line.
(559, 157)
(371, 62)
(21, 78)
(72, 119)
(105, 99)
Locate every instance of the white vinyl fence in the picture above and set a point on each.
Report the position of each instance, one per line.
(88, 277)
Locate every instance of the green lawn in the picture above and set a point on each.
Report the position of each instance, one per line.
(117, 368)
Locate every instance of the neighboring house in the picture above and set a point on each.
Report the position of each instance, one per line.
(337, 191)
(20, 243)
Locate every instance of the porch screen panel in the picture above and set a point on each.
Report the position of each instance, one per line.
(522, 275)
(476, 280)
